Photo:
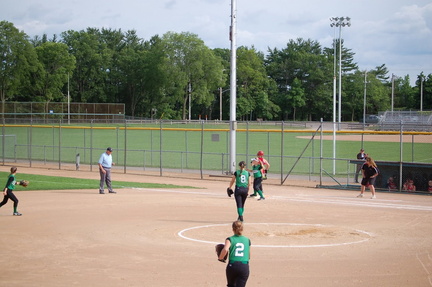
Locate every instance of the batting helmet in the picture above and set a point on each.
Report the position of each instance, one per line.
(260, 153)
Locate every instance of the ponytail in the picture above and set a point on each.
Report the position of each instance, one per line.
(242, 165)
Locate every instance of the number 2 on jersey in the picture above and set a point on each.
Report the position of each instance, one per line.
(239, 249)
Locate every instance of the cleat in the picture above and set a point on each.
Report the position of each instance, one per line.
(252, 195)
(17, 214)
(112, 191)
(360, 195)
(240, 218)
(261, 198)
(373, 197)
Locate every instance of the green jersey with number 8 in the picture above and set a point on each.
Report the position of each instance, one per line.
(242, 178)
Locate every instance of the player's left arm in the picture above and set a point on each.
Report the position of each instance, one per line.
(267, 165)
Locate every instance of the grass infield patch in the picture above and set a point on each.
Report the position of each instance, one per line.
(45, 182)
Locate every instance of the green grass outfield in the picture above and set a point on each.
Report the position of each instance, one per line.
(182, 145)
(44, 182)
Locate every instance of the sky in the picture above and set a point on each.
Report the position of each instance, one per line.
(397, 33)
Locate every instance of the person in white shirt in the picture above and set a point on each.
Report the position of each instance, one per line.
(105, 163)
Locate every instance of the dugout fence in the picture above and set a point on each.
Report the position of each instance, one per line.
(295, 149)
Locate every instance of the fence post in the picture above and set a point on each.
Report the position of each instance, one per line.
(321, 150)
(125, 145)
(91, 145)
(202, 149)
(77, 161)
(29, 149)
(59, 143)
(401, 156)
(3, 138)
(282, 151)
(160, 148)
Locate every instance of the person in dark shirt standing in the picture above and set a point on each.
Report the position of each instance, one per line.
(370, 172)
(361, 156)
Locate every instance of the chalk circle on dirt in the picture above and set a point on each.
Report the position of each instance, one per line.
(280, 235)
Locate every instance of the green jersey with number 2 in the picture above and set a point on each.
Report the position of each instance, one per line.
(239, 249)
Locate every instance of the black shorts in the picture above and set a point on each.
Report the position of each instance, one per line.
(368, 181)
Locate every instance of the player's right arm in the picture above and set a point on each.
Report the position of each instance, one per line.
(233, 178)
(225, 250)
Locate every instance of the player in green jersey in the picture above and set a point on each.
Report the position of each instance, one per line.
(8, 191)
(257, 171)
(238, 249)
(242, 182)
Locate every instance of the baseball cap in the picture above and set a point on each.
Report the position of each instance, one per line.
(253, 159)
(109, 149)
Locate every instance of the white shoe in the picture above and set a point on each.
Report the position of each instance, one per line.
(360, 195)
(373, 197)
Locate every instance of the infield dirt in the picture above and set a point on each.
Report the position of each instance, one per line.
(301, 236)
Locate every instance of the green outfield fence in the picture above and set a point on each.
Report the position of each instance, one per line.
(316, 151)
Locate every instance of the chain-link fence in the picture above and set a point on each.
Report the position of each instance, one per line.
(312, 150)
(52, 112)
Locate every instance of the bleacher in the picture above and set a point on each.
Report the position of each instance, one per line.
(405, 120)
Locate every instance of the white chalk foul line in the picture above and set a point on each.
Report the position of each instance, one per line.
(325, 200)
(357, 202)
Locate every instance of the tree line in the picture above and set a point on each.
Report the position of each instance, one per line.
(166, 75)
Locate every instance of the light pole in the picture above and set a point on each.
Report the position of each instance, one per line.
(220, 103)
(364, 101)
(190, 98)
(337, 22)
(392, 92)
(233, 86)
(340, 22)
(421, 92)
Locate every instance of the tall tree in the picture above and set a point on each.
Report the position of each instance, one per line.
(254, 86)
(424, 86)
(193, 69)
(92, 64)
(296, 96)
(377, 92)
(381, 73)
(407, 99)
(306, 61)
(57, 65)
(17, 61)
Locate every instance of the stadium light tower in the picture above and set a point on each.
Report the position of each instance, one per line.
(340, 22)
(233, 86)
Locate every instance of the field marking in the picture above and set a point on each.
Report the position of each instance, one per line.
(366, 201)
(357, 202)
(181, 234)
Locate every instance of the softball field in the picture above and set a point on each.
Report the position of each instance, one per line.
(301, 236)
